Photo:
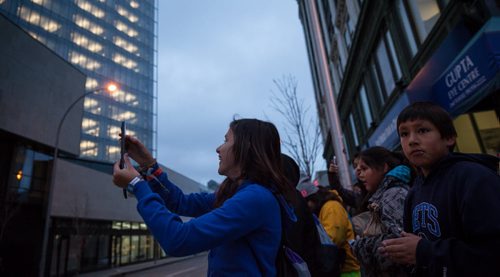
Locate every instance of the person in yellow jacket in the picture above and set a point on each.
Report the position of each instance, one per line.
(327, 205)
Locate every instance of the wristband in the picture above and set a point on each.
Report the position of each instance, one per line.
(144, 167)
(131, 185)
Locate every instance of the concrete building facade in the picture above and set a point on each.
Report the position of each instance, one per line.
(109, 41)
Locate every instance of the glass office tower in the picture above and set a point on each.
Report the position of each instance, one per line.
(109, 41)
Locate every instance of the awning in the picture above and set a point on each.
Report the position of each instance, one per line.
(473, 73)
(462, 71)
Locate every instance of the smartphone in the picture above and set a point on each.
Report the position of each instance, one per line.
(334, 160)
(123, 151)
(122, 145)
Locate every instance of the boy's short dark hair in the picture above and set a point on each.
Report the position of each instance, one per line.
(431, 112)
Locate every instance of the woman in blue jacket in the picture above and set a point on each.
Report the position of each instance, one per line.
(240, 223)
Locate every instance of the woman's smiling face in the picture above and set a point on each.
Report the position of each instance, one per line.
(227, 166)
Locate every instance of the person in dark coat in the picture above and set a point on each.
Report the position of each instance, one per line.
(303, 235)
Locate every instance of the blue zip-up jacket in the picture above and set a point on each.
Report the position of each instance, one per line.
(243, 235)
(456, 210)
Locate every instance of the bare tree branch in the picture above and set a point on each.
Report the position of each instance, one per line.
(302, 138)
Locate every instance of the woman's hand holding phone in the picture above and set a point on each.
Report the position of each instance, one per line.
(137, 151)
(122, 176)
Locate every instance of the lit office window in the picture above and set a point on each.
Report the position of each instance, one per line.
(125, 29)
(86, 6)
(488, 128)
(88, 148)
(85, 42)
(92, 106)
(128, 63)
(134, 245)
(125, 249)
(35, 18)
(38, 37)
(134, 4)
(49, 25)
(125, 97)
(83, 61)
(143, 250)
(114, 132)
(86, 24)
(125, 13)
(125, 45)
(367, 112)
(90, 127)
(113, 150)
(117, 225)
(28, 16)
(425, 14)
(125, 115)
(478, 132)
(33, 34)
(91, 83)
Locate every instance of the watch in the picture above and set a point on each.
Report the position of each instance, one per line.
(132, 183)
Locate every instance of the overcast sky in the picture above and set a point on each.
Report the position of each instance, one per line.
(217, 59)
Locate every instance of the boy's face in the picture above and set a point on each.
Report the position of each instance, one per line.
(422, 143)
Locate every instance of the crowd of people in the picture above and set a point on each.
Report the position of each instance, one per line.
(424, 212)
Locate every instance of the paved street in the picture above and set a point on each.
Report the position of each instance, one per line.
(194, 267)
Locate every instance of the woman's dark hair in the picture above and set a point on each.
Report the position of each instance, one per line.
(291, 170)
(433, 113)
(321, 197)
(257, 150)
(376, 157)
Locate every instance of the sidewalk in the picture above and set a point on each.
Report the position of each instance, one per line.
(122, 270)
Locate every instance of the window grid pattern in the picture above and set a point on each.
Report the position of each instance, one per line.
(108, 41)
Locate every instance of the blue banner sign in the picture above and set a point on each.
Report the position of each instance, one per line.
(420, 88)
(462, 83)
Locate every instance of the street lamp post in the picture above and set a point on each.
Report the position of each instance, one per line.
(43, 260)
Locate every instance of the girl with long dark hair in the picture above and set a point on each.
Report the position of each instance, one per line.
(387, 176)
